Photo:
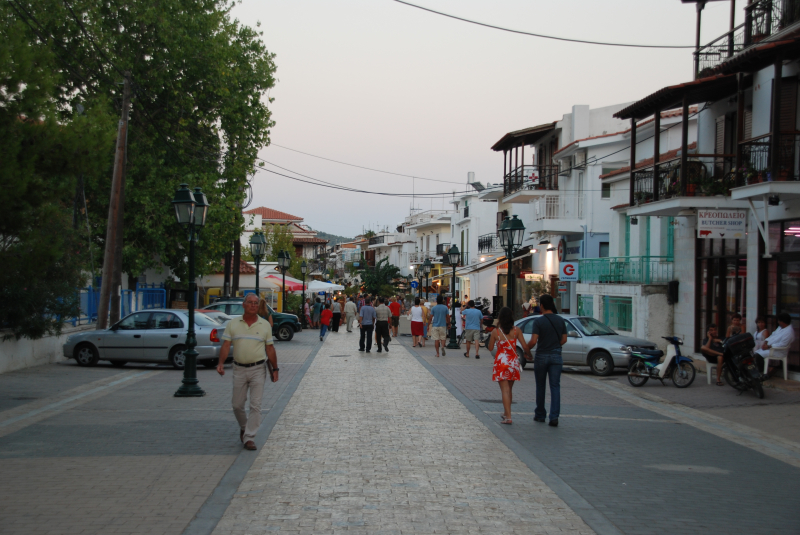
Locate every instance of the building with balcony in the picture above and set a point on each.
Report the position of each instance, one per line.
(745, 166)
(304, 238)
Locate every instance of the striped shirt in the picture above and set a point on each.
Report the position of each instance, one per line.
(249, 341)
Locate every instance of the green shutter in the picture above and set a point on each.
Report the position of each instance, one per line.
(647, 236)
(670, 238)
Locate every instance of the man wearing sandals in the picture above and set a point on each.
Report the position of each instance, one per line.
(440, 321)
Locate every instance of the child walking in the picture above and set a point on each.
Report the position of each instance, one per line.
(325, 321)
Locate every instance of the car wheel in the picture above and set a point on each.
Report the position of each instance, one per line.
(86, 355)
(521, 357)
(177, 357)
(285, 333)
(601, 363)
(119, 363)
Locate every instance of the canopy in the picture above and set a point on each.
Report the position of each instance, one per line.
(319, 286)
(292, 285)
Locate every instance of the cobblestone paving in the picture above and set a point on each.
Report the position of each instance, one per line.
(129, 459)
(645, 471)
(372, 443)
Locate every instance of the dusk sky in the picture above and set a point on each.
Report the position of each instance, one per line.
(383, 85)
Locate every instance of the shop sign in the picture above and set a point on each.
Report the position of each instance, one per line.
(523, 274)
(568, 271)
(728, 224)
(562, 287)
(502, 268)
(574, 249)
(562, 250)
(533, 277)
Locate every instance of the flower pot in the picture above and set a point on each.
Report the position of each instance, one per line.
(691, 189)
(783, 175)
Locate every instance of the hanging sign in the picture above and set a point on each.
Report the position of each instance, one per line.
(502, 268)
(727, 224)
(562, 287)
(533, 277)
(568, 271)
(562, 250)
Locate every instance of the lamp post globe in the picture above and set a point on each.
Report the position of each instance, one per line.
(190, 212)
(453, 257)
(512, 233)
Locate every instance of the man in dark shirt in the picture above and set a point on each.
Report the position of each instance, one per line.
(366, 322)
(549, 334)
(712, 350)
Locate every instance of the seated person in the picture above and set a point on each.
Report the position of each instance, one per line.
(782, 337)
(712, 350)
(735, 326)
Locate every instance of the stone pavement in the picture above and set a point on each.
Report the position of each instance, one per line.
(373, 443)
(655, 459)
(110, 450)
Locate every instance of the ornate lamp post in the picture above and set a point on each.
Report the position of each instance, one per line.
(191, 210)
(303, 270)
(258, 248)
(284, 261)
(453, 256)
(511, 235)
(426, 269)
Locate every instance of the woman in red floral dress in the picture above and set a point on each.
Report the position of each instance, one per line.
(506, 368)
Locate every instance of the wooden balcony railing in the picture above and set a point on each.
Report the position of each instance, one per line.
(527, 177)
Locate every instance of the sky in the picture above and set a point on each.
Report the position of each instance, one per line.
(382, 85)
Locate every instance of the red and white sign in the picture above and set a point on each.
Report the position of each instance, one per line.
(568, 271)
(562, 250)
(562, 287)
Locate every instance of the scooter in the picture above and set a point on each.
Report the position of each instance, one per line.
(739, 365)
(644, 365)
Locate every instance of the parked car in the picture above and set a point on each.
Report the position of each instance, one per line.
(589, 343)
(218, 316)
(155, 336)
(283, 325)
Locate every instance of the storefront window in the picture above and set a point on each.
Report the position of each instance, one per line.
(782, 281)
(618, 313)
(722, 279)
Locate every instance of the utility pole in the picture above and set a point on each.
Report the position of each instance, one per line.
(115, 210)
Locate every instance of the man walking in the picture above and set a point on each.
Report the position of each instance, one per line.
(396, 309)
(472, 327)
(366, 322)
(336, 308)
(382, 315)
(350, 311)
(549, 334)
(440, 321)
(251, 336)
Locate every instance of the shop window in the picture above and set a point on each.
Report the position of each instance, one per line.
(722, 278)
(618, 312)
(603, 253)
(586, 305)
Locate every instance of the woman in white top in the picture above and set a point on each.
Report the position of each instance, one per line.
(417, 317)
(762, 333)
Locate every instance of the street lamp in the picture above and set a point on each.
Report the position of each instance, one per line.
(453, 256)
(426, 269)
(284, 261)
(191, 210)
(258, 248)
(303, 270)
(511, 235)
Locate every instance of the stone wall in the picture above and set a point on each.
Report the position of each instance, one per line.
(24, 353)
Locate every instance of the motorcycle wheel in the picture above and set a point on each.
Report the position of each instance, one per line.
(637, 366)
(759, 390)
(727, 376)
(683, 375)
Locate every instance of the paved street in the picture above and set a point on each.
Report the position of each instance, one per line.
(390, 443)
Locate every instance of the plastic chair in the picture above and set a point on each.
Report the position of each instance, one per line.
(778, 353)
(711, 370)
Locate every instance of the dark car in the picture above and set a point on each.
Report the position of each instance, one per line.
(283, 325)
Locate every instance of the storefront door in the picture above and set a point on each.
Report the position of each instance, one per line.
(721, 282)
(779, 288)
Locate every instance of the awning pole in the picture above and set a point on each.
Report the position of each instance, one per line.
(758, 222)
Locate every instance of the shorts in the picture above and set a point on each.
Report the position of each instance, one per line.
(395, 321)
(472, 335)
(438, 333)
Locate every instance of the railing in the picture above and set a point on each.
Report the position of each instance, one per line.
(376, 240)
(627, 270)
(425, 217)
(707, 174)
(757, 164)
(762, 19)
(442, 249)
(527, 177)
(488, 243)
(89, 299)
(563, 206)
(420, 256)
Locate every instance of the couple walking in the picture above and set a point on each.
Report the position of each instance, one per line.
(549, 334)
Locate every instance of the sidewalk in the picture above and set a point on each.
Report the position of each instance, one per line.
(373, 443)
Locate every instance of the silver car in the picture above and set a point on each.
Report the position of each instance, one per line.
(589, 343)
(152, 336)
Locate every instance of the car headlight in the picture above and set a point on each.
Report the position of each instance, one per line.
(626, 349)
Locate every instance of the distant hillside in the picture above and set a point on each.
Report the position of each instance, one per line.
(332, 238)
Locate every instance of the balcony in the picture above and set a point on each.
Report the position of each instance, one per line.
(757, 164)
(530, 181)
(376, 240)
(489, 243)
(561, 212)
(706, 175)
(427, 217)
(763, 18)
(627, 270)
(442, 249)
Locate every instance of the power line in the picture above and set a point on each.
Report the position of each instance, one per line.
(367, 168)
(569, 40)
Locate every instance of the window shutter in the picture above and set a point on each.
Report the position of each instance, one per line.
(748, 124)
(788, 121)
(719, 136)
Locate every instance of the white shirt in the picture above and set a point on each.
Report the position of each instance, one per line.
(416, 314)
(782, 337)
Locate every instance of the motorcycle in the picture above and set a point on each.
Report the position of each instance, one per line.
(739, 367)
(644, 365)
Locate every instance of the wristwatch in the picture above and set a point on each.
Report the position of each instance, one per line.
(276, 369)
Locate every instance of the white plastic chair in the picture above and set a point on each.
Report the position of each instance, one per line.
(778, 353)
(711, 370)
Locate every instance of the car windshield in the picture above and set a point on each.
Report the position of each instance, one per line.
(220, 317)
(592, 327)
(201, 320)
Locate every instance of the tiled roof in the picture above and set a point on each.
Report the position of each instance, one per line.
(298, 239)
(664, 115)
(270, 214)
(617, 207)
(244, 268)
(649, 161)
(706, 89)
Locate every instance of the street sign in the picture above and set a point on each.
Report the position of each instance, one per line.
(568, 271)
(730, 224)
(414, 284)
(562, 287)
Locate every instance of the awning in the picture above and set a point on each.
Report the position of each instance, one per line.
(703, 90)
(757, 57)
(526, 136)
(319, 286)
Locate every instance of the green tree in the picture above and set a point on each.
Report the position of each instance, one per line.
(279, 238)
(44, 148)
(375, 278)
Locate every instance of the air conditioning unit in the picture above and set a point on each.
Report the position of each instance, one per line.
(565, 166)
(579, 160)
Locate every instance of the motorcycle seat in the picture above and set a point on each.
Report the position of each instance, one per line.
(657, 353)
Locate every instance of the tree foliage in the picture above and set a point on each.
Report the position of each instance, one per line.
(375, 278)
(279, 238)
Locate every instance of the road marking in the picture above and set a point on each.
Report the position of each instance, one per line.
(766, 443)
(688, 469)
